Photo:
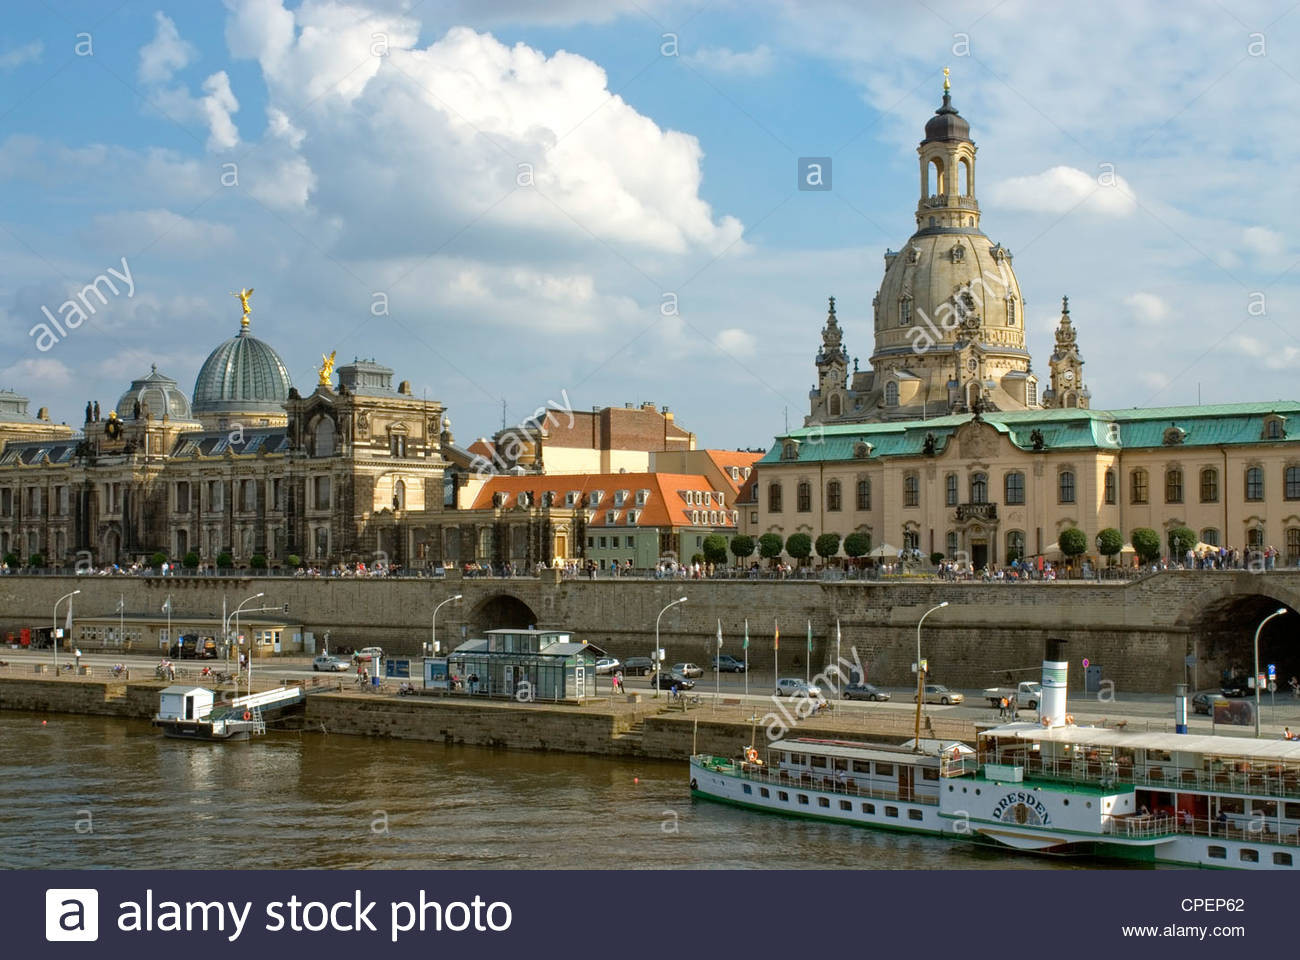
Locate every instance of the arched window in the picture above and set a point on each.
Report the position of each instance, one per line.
(1011, 311)
(1255, 538)
(803, 497)
(1065, 487)
(834, 405)
(950, 490)
(1292, 546)
(1210, 536)
(936, 166)
(905, 312)
(864, 494)
(891, 394)
(1111, 493)
(1292, 485)
(911, 490)
(323, 438)
(1174, 485)
(967, 180)
(1254, 483)
(774, 498)
(1273, 430)
(399, 495)
(1014, 488)
(1138, 484)
(1015, 545)
(979, 488)
(1209, 487)
(833, 495)
(951, 543)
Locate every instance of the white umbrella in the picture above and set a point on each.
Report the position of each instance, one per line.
(883, 551)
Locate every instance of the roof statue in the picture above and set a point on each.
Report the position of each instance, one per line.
(327, 368)
(242, 296)
(946, 84)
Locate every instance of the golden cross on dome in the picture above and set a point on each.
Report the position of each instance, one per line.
(946, 85)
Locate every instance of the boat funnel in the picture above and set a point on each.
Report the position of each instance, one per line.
(1053, 707)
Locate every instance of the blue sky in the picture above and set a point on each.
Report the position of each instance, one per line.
(379, 148)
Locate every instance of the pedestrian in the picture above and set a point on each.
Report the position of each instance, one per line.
(1295, 688)
(672, 694)
(1002, 709)
(1222, 821)
(1013, 706)
(77, 654)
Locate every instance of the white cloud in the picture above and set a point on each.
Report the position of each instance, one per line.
(1147, 308)
(217, 107)
(1062, 190)
(15, 58)
(1263, 241)
(737, 342)
(750, 63)
(166, 53)
(1272, 356)
(162, 231)
(44, 374)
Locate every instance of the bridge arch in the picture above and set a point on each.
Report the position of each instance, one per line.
(499, 611)
(1221, 631)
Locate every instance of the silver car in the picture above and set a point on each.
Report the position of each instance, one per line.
(330, 663)
(794, 687)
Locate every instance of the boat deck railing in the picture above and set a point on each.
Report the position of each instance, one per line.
(849, 786)
(1279, 782)
(1256, 830)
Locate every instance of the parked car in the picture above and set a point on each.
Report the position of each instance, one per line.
(794, 687)
(666, 681)
(638, 666)
(1236, 687)
(938, 693)
(329, 663)
(725, 663)
(688, 670)
(1203, 703)
(607, 664)
(863, 691)
(193, 647)
(369, 653)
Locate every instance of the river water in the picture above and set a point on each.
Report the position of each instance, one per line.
(88, 792)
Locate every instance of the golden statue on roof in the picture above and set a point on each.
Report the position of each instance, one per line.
(946, 86)
(327, 368)
(242, 296)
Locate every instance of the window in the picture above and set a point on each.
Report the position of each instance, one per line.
(1273, 430)
(1210, 536)
(593, 499)
(911, 490)
(1065, 487)
(1209, 485)
(905, 312)
(1111, 493)
(864, 494)
(833, 495)
(321, 492)
(1292, 546)
(803, 799)
(183, 497)
(1281, 859)
(1249, 856)
(1011, 311)
(1138, 486)
(747, 788)
(1292, 484)
(913, 814)
(891, 811)
(1174, 485)
(764, 792)
(823, 801)
(1254, 483)
(397, 444)
(1031, 394)
(774, 498)
(803, 496)
(869, 808)
(846, 804)
(611, 516)
(602, 542)
(951, 543)
(979, 488)
(783, 796)
(1217, 853)
(950, 490)
(1255, 538)
(323, 438)
(1014, 488)
(631, 542)
(891, 394)
(1015, 545)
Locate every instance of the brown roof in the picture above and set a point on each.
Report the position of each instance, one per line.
(665, 501)
(614, 428)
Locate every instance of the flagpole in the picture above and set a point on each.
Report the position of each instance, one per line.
(717, 669)
(747, 656)
(838, 658)
(776, 652)
(807, 673)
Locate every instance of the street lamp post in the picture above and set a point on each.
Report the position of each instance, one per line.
(433, 627)
(1276, 613)
(659, 673)
(225, 635)
(54, 634)
(920, 688)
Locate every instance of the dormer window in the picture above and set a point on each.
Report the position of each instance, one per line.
(571, 498)
(548, 498)
(1174, 435)
(619, 497)
(595, 497)
(1274, 428)
(641, 497)
(861, 450)
(498, 499)
(632, 516)
(790, 450)
(611, 516)
(522, 499)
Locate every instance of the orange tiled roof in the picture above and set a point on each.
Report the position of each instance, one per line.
(656, 499)
(740, 459)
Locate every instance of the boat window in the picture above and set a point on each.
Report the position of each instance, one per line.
(783, 796)
(891, 811)
(764, 792)
(868, 808)
(1232, 805)
(929, 773)
(841, 764)
(819, 763)
(823, 801)
(1266, 808)
(846, 804)
(747, 788)
(803, 799)
(884, 769)
(862, 766)
(1249, 856)
(1292, 811)
(914, 814)
(1217, 853)
(1281, 859)
(1158, 756)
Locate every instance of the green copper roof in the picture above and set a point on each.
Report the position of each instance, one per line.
(1138, 427)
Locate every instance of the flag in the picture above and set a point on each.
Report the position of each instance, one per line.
(67, 625)
(838, 638)
(776, 635)
(745, 645)
(719, 634)
(810, 636)
(167, 606)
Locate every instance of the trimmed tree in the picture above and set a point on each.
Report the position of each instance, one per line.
(715, 549)
(742, 546)
(1109, 543)
(1181, 539)
(1146, 542)
(697, 558)
(936, 559)
(1073, 542)
(157, 560)
(293, 560)
(11, 559)
(36, 560)
(225, 561)
(190, 561)
(828, 545)
(857, 545)
(257, 561)
(799, 546)
(769, 546)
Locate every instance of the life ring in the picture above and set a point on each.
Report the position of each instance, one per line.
(1047, 721)
(248, 715)
(751, 755)
(694, 785)
(1069, 720)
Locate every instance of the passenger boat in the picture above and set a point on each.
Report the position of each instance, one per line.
(190, 713)
(1047, 787)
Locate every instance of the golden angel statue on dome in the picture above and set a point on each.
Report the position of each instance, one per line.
(242, 296)
(327, 368)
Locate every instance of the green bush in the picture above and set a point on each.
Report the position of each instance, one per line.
(1073, 542)
(294, 560)
(1110, 542)
(715, 548)
(225, 561)
(1146, 542)
(157, 560)
(828, 545)
(257, 561)
(697, 558)
(36, 560)
(857, 545)
(799, 546)
(190, 561)
(742, 546)
(1181, 539)
(11, 559)
(769, 546)
(937, 558)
